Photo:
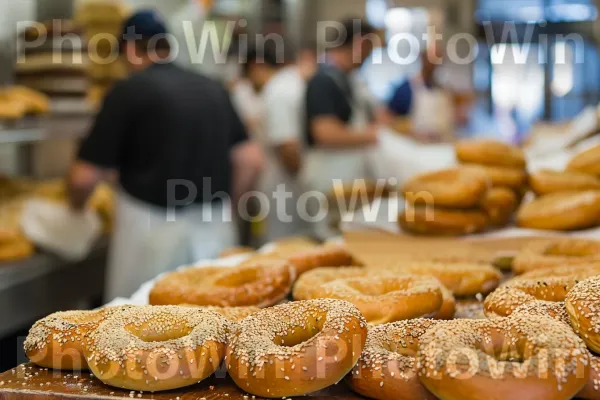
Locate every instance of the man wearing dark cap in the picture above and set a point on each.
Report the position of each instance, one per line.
(182, 156)
(340, 124)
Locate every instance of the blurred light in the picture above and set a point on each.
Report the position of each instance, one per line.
(376, 11)
(399, 20)
(562, 82)
(531, 14)
(572, 12)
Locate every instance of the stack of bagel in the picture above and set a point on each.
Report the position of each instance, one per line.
(537, 340)
(566, 200)
(483, 192)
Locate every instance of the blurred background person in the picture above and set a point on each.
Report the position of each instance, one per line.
(282, 87)
(164, 123)
(340, 121)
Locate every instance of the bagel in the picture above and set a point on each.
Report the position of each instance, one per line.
(558, 312)
(491, 153)
(553, 253)
(469, 309)
(260, 285)
(57, 341)
(506, 177)
(384, 299)
(565, 211)
(453, 188)
(443, 222)
(587, 162)
(580, 271)
(500, 204)
(517, 292)
(387, 369)
(583, 306)
(296, 348)
(525, 357)
(323, 256)
(16, 251)
(463, 279)
(157, 348)
(547, 182)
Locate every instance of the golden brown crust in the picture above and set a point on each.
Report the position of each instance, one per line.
(443, 222)
(382, 297)
(583, 306)
(500, 204)
(462, 188)
(507, 177)
(233, 314)
(387, 369)
(556, 253)
(490, 152)
(260, 285)
(236, 251)
(587, 162)
(58, 340)
(296, 348)
(547, 182)
(532, 357)
(157, 348)
(561, 211)
(322, 256)
(16, 250)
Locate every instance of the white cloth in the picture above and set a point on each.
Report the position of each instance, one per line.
(145, 244)
(282, 99)
(249, 105)
(56, 228)
(431, 111)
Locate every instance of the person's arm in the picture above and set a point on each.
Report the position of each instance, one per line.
(247, 160)
(327, 129)
(100, 152)
(331, 132)
(290, 156)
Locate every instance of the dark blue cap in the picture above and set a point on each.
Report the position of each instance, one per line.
(144, 24)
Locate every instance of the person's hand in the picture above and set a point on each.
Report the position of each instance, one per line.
(372, 134)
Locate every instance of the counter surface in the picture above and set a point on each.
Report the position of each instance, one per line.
(29, 382)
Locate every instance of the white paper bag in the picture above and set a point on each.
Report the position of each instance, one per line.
(59, 230)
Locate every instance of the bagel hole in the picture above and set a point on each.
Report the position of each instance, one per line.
(298, 335)
(149, 332)
(240, 278)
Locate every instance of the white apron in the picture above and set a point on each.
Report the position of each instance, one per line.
(322, 167)
(144, 245)
(432, 112)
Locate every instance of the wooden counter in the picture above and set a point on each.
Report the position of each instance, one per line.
(28, 382)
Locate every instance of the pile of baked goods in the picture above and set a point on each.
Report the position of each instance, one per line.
(15, 193)
(486, 191)
(16, 102)
(102, 22)
(567, 200)
(389, 333)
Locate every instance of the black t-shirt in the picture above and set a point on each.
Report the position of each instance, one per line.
(163, 124)
(329, 93)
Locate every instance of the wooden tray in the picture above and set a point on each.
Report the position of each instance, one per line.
(28, 382)
(376, 247)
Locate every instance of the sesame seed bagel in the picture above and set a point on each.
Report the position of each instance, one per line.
(453, 188)
(323, 256)
(578, 271)
(558, 312)
(491, 153)
(583, 306)
(546, 182)
(57, 341)
(296, 348)
(500, 204)
(525, 357)
(505, 177)
(157, 348)
(383, 299)
(587, 162)
(387, 369)
(463, 279)
(565, 211)
(442, 222)
(260, 285)
(312, 284)
(517, 292)
(556, 253)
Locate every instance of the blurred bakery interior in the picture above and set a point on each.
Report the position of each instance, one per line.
(522, 72)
